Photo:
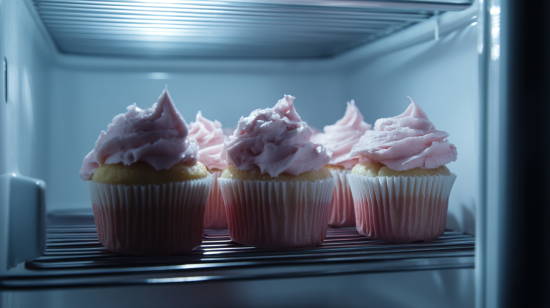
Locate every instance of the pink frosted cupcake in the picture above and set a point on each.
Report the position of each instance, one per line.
(276, 191)
(148, 191)
(401, 185)
(340, 138)
(210, 137)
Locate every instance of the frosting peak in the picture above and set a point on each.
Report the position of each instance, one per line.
(341, 136)
(413, 117)
(210, 138)
(157, 136)
(285, 108)
(406, 141)
(275, 140)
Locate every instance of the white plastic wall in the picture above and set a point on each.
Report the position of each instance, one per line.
(29, 53)
(23, 131)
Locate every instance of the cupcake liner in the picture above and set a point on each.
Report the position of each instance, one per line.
(401, 209)
(277, 214)
(150, 219)
(215, 217)
(342, 213)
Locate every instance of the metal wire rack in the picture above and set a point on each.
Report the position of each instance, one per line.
(75, 258)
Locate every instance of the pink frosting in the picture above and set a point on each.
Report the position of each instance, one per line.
(276, 140)
(342, 136)
(157, 136)
(406, 141)
(228, 131)
(315, 131)
(209, 136)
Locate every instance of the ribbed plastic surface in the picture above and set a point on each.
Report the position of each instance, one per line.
(229, 29)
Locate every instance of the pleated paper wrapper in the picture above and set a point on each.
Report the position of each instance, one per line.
(164, 219)
(342, 213)
(277, 214)
(215, 217)
(401, 209)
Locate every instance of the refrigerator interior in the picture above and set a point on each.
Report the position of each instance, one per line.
(57, 103)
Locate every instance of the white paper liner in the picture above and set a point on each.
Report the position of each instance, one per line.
(401, 209)
(150, 219)
(342, 213)
(215, 217)
(277, 214)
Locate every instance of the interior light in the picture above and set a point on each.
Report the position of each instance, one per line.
(158, 75)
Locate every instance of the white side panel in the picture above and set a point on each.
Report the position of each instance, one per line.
(84, 101)
(28, 52)
(442, 77)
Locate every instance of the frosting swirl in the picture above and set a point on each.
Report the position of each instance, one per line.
(276, 140)
(342, 136)
(157, 136)
(210, 138)
(406, 141)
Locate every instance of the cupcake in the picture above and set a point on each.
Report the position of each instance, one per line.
(401, 185)
(340, 138)
(147, 188)
(210, 138)
(276, 191)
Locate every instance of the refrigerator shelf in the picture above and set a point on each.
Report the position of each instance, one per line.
(229, 28)
(75, 258)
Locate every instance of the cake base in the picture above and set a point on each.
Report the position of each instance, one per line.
(167, 231)
(404, 222)
(215, 216)
(164, 219)
(277, 214)
(342, 212)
